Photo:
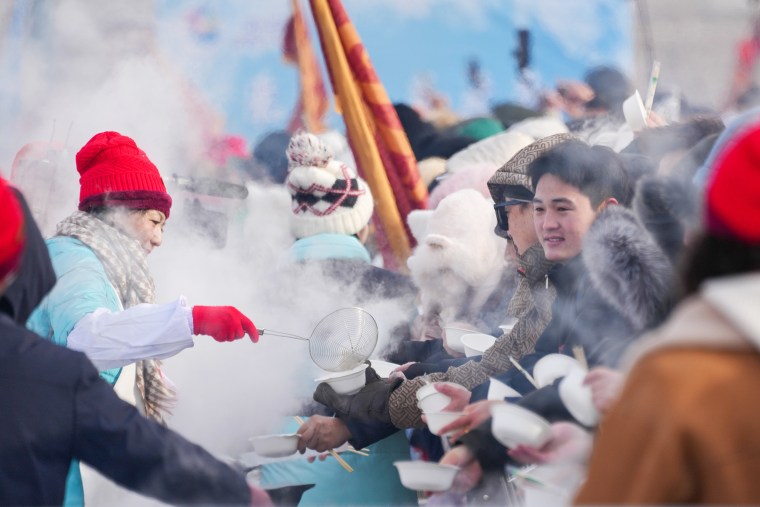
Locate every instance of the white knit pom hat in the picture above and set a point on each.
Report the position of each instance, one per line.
(327, 195)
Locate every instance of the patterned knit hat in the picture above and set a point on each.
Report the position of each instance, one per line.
(732, 195)
(11, 231)
(511, 180)
(328, 196)
(115, 172)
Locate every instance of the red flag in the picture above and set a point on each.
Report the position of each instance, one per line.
(380, 145)
(312, 100)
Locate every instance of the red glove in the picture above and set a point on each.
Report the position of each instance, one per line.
(223, 323)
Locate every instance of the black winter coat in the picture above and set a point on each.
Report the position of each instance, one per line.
(54, 407)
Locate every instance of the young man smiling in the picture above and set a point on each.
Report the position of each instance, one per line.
(574, 182)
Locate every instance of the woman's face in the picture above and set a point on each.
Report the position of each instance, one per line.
(146, 226)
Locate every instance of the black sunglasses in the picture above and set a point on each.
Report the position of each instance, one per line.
(502, 218)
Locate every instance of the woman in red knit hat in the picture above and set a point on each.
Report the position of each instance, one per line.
(103, 303)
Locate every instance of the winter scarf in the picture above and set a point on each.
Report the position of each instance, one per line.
(531, 305)
(126, 265)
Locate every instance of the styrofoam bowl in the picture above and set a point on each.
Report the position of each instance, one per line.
(428, 389)
(513, 425)
(433, 402)
(577, 398)
(498, 390)
(553, 366)
(477, 343)
(383, 368)
(426, 475)
(346, 382)
(634, 112)
(437, 420)
(453, 336)
(275, 446)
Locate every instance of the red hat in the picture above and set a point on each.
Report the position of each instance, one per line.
(115, 172)
(732, 196)
(11, 231)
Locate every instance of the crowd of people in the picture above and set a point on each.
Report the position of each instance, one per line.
(558, 231)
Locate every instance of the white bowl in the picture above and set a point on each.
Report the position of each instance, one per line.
(513, 425)
(437, 420)
(635, 113)
(477, 343)
(275, 446)
(453, 337)
(433, 402)
(428, 389)
(383, 368)
(553, 366)
(430, 400)
(498, 390)
(506, 328)
(346, 382)
(577, 398)
(426, 475)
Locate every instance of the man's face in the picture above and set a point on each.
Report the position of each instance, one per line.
(562, 215)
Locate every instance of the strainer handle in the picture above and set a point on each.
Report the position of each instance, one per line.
(262, 332)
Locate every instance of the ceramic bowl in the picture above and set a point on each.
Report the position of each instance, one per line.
(553, 366)
(498, 390)
(426, 475)
(437, 420)
(454, 337)
(513, 425)
(275, 446)
(346, 382)
(577, 398)
(477, 343)
(383, 368)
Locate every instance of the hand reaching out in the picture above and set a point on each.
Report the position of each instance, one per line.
(605, 386)
(474, 415)
(322, 434)
(569, 444)
(470, 472)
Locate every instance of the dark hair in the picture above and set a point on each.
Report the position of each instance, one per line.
(596, 171)
(611, 88)
(657, 142)
(714, 257)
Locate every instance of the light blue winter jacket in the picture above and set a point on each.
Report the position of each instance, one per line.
(328, 246)
(82, 287)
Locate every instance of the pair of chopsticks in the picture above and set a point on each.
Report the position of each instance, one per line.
(332, 452)
(523, 371)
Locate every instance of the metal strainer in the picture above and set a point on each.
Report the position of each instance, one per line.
(342, 340)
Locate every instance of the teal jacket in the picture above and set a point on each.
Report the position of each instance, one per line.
(82, 287)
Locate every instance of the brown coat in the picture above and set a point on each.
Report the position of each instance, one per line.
(687, 426)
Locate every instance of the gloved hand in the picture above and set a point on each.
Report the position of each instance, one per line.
(370, 404)
(223, 323)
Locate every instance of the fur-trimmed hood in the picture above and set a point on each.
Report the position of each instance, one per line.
(628, 268)
(668, 207)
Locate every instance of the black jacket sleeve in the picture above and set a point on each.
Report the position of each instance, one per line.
(139, 454)
(365, 433)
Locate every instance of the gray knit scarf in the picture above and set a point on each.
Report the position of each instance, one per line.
(126, 265)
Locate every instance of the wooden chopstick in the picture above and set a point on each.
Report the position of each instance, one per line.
(332, 452)
(524, 372)
(580, 356)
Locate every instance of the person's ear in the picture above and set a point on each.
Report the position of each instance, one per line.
(610, 201)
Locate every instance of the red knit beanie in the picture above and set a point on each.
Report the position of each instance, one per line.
(115, 172)
(11, 231)
(732, 196)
